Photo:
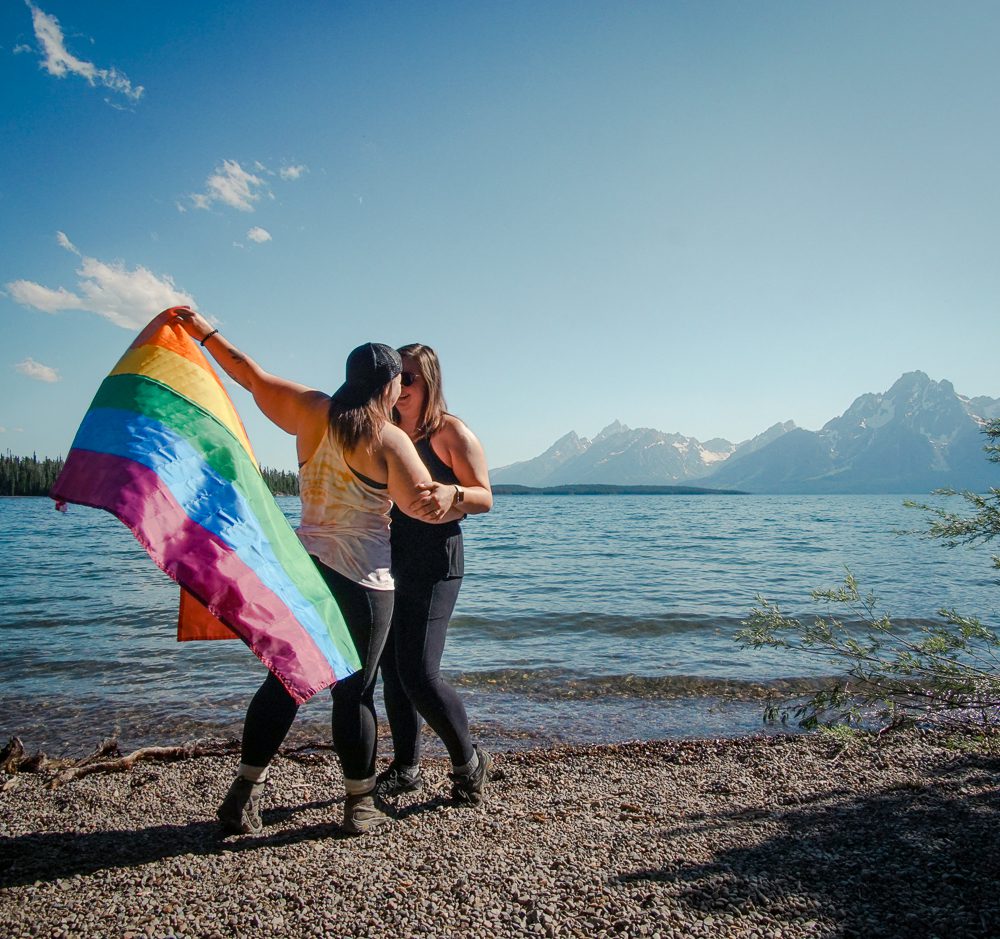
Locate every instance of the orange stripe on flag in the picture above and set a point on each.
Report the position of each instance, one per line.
(165, 331)
(194, 621)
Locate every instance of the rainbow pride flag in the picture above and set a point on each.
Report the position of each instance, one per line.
(163, 449)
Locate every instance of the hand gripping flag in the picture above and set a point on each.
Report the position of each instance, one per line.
(163, 449)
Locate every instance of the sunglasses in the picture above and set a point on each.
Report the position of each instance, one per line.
(408, 378)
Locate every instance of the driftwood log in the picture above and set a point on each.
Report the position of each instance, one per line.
(108, 758)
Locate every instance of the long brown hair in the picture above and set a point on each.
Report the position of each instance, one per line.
(435, 407)
(352, 426)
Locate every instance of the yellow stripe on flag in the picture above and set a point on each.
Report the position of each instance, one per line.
(200, 386)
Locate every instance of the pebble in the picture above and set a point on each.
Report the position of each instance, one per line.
(759, 836)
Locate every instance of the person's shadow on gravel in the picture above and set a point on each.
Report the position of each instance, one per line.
(49, 856)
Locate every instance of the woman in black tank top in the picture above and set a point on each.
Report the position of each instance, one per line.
(427, 565)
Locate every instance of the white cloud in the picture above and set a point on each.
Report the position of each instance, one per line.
(28, 293)
(127, 297)
(292, 173)
(259, 235)
(37, 371)
(59, 61)
(22, 48)
(233, 186)
(64, 242)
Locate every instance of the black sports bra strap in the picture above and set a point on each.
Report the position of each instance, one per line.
(366, 480)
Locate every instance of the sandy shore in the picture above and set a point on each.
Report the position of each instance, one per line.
(786, 836)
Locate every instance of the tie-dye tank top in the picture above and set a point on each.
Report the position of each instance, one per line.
(345, 520)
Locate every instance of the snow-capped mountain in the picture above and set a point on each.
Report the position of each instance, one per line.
(919, 435)
(620, 455)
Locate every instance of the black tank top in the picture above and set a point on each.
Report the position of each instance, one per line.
(424, 551)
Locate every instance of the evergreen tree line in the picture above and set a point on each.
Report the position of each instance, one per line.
(281, 482)
(30, 476)
(27, 475)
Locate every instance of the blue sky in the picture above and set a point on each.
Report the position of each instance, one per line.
(702, 217)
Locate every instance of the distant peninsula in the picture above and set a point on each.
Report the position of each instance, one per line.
(597, 489)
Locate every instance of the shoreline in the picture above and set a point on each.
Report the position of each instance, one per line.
(763, 835)
(500, 720)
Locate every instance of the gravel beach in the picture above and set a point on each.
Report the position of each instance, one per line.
(759, 836)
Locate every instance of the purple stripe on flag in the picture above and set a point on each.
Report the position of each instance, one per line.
(199, 560)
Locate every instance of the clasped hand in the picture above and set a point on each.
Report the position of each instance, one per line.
(434, 501)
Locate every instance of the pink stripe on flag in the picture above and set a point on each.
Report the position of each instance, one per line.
(199, 560)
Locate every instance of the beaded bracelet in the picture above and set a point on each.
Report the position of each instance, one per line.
(209, 336)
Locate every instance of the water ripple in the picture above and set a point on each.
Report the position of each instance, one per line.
(624, 604)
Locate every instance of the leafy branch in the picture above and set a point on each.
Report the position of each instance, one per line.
(983, 525)
(942, 672)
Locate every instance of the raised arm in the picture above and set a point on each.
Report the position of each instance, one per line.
(286, 403)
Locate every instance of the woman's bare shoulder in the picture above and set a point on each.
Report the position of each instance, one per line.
(316, 400)
(454, 430)
(394, 437)
(314, 406)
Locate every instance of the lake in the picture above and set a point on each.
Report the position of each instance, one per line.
(581, 619)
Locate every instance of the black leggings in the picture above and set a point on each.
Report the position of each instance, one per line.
(367, 614)
(411, 671)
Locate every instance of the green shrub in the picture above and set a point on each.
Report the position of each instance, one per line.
(944, 672)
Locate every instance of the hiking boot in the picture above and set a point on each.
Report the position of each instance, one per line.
(396, 780)
(361, 814)
(467, 788)
(240, 810)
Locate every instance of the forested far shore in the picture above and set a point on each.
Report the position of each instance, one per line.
(28, 475)
(31, 476)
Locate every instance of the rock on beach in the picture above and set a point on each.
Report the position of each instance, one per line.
(746, 837)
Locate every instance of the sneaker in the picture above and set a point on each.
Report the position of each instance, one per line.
(467, 788)
(396, 780)
(240, 810)
(361, 814)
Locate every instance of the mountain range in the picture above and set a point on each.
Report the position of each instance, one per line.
(917, 436)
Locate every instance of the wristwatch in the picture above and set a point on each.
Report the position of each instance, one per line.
(459, 495)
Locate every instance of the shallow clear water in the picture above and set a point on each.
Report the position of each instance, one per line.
(582, 618)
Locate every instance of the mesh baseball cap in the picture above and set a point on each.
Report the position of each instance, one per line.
(369, 368)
